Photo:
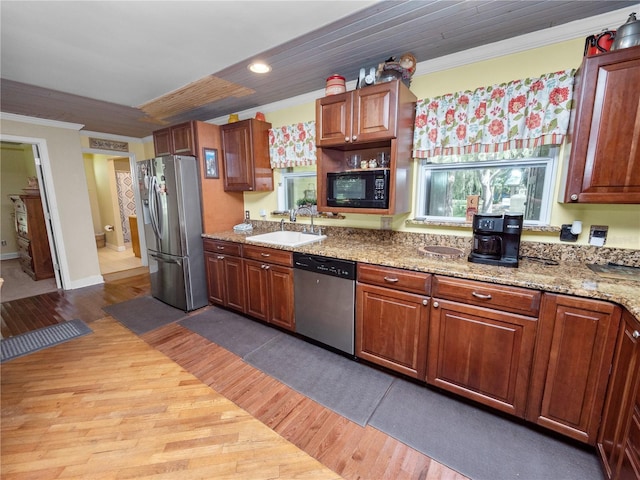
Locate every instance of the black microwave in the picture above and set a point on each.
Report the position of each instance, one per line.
(361, 189)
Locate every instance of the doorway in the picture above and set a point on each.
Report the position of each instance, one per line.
(110, 184)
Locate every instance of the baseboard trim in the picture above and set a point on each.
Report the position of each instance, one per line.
(9, 256)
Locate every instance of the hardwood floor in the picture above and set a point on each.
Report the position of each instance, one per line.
(113, 405)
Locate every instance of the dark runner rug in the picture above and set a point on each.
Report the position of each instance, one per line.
(30, 342)
(476, 442)
(143, 314)
(342, 385)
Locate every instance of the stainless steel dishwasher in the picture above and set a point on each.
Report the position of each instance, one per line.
(324, 293)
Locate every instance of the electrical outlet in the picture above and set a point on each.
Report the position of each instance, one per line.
(598, 235)
(247, 216)
(4, 243)
(566, 235)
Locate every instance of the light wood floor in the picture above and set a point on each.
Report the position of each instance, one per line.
(112, 405)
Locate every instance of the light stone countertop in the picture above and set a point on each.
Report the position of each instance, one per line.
(569, 277)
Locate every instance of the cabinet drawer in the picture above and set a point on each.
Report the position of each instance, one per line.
(396, 278)
(501, 297)
(270, 255)
(221, 246)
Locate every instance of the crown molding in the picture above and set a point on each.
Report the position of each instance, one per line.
(40, 121)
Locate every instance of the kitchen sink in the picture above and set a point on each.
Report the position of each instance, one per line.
(286, 238)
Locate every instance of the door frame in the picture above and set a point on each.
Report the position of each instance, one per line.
(49, 205)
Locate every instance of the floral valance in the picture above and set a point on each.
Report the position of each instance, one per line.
(293, 145)
(519, 114)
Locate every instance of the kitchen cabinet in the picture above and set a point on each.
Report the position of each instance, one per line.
(604, 164)
(479, 347)
(176, 140)
(269, 285)
(33, 241)
(225, 274)
(377, 118)
(245, 146)
(619, 437)
(392, 313)
(574, 352)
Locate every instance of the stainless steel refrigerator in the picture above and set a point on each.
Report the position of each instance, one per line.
(172, 218)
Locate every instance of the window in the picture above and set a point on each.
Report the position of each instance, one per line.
(297, 189)
(514, 181)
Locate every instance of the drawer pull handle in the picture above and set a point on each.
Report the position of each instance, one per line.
(265, 254)
(390, 280)
(220, 248)
(481, 296)
(636, 334)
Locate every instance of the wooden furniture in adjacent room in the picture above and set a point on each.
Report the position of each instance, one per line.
(135, 238)
(604, 166)
(245, 155)
(33, 242)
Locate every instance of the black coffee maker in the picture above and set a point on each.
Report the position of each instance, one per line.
(496, 239)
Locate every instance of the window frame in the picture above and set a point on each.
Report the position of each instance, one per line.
(550, 160)
(286, 173)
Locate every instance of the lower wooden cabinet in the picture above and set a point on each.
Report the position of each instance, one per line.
(225, 274)
(481, 353)
(391, 329)
(619, 437)
(574, 352)
(269, 285)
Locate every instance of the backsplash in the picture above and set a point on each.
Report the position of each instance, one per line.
(551, 251)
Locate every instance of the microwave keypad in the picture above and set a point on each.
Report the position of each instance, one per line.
(379, 193)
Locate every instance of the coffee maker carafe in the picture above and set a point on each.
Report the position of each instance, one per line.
(496, 239)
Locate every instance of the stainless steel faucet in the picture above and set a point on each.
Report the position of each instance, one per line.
(282, 224)
(293, 213)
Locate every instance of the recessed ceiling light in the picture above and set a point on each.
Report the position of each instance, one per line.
(259, 67)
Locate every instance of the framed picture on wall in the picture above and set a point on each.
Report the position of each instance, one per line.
(211, 169)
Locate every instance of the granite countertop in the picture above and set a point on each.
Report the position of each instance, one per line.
(569, 277)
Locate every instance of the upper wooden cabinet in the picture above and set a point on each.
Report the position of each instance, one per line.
(574, 351)
(378, 118)
(176, 140)
(604, 166)
(360, 116)
(245, 154)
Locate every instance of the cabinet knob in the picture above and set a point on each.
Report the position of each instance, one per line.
(635, 334)
(266, 267)
(425, 302)
(574, 197)
(220, 257)
(354, 138)
(346, 139)
(436, 304)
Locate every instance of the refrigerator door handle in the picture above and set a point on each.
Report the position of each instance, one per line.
(165, 260)
(153, 207)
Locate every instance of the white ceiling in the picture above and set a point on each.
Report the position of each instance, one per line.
(95, 63)
(100, 49)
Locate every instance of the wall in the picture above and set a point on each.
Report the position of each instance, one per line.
(71, 210)
(623, 220)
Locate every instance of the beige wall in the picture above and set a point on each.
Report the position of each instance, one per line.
(71, 211)
(623, 220)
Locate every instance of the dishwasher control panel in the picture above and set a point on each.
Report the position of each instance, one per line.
(325, 265)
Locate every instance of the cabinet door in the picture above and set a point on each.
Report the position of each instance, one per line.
(281, 296)
(604, 166)
(234, 284)
(375, 110)
(237, 155)
(257, 290)
(574, 352)
(183, 139)
(333, 119)
(481, 354)
(622, 392)
(215, 277)
(391, 329)
(162, 142)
